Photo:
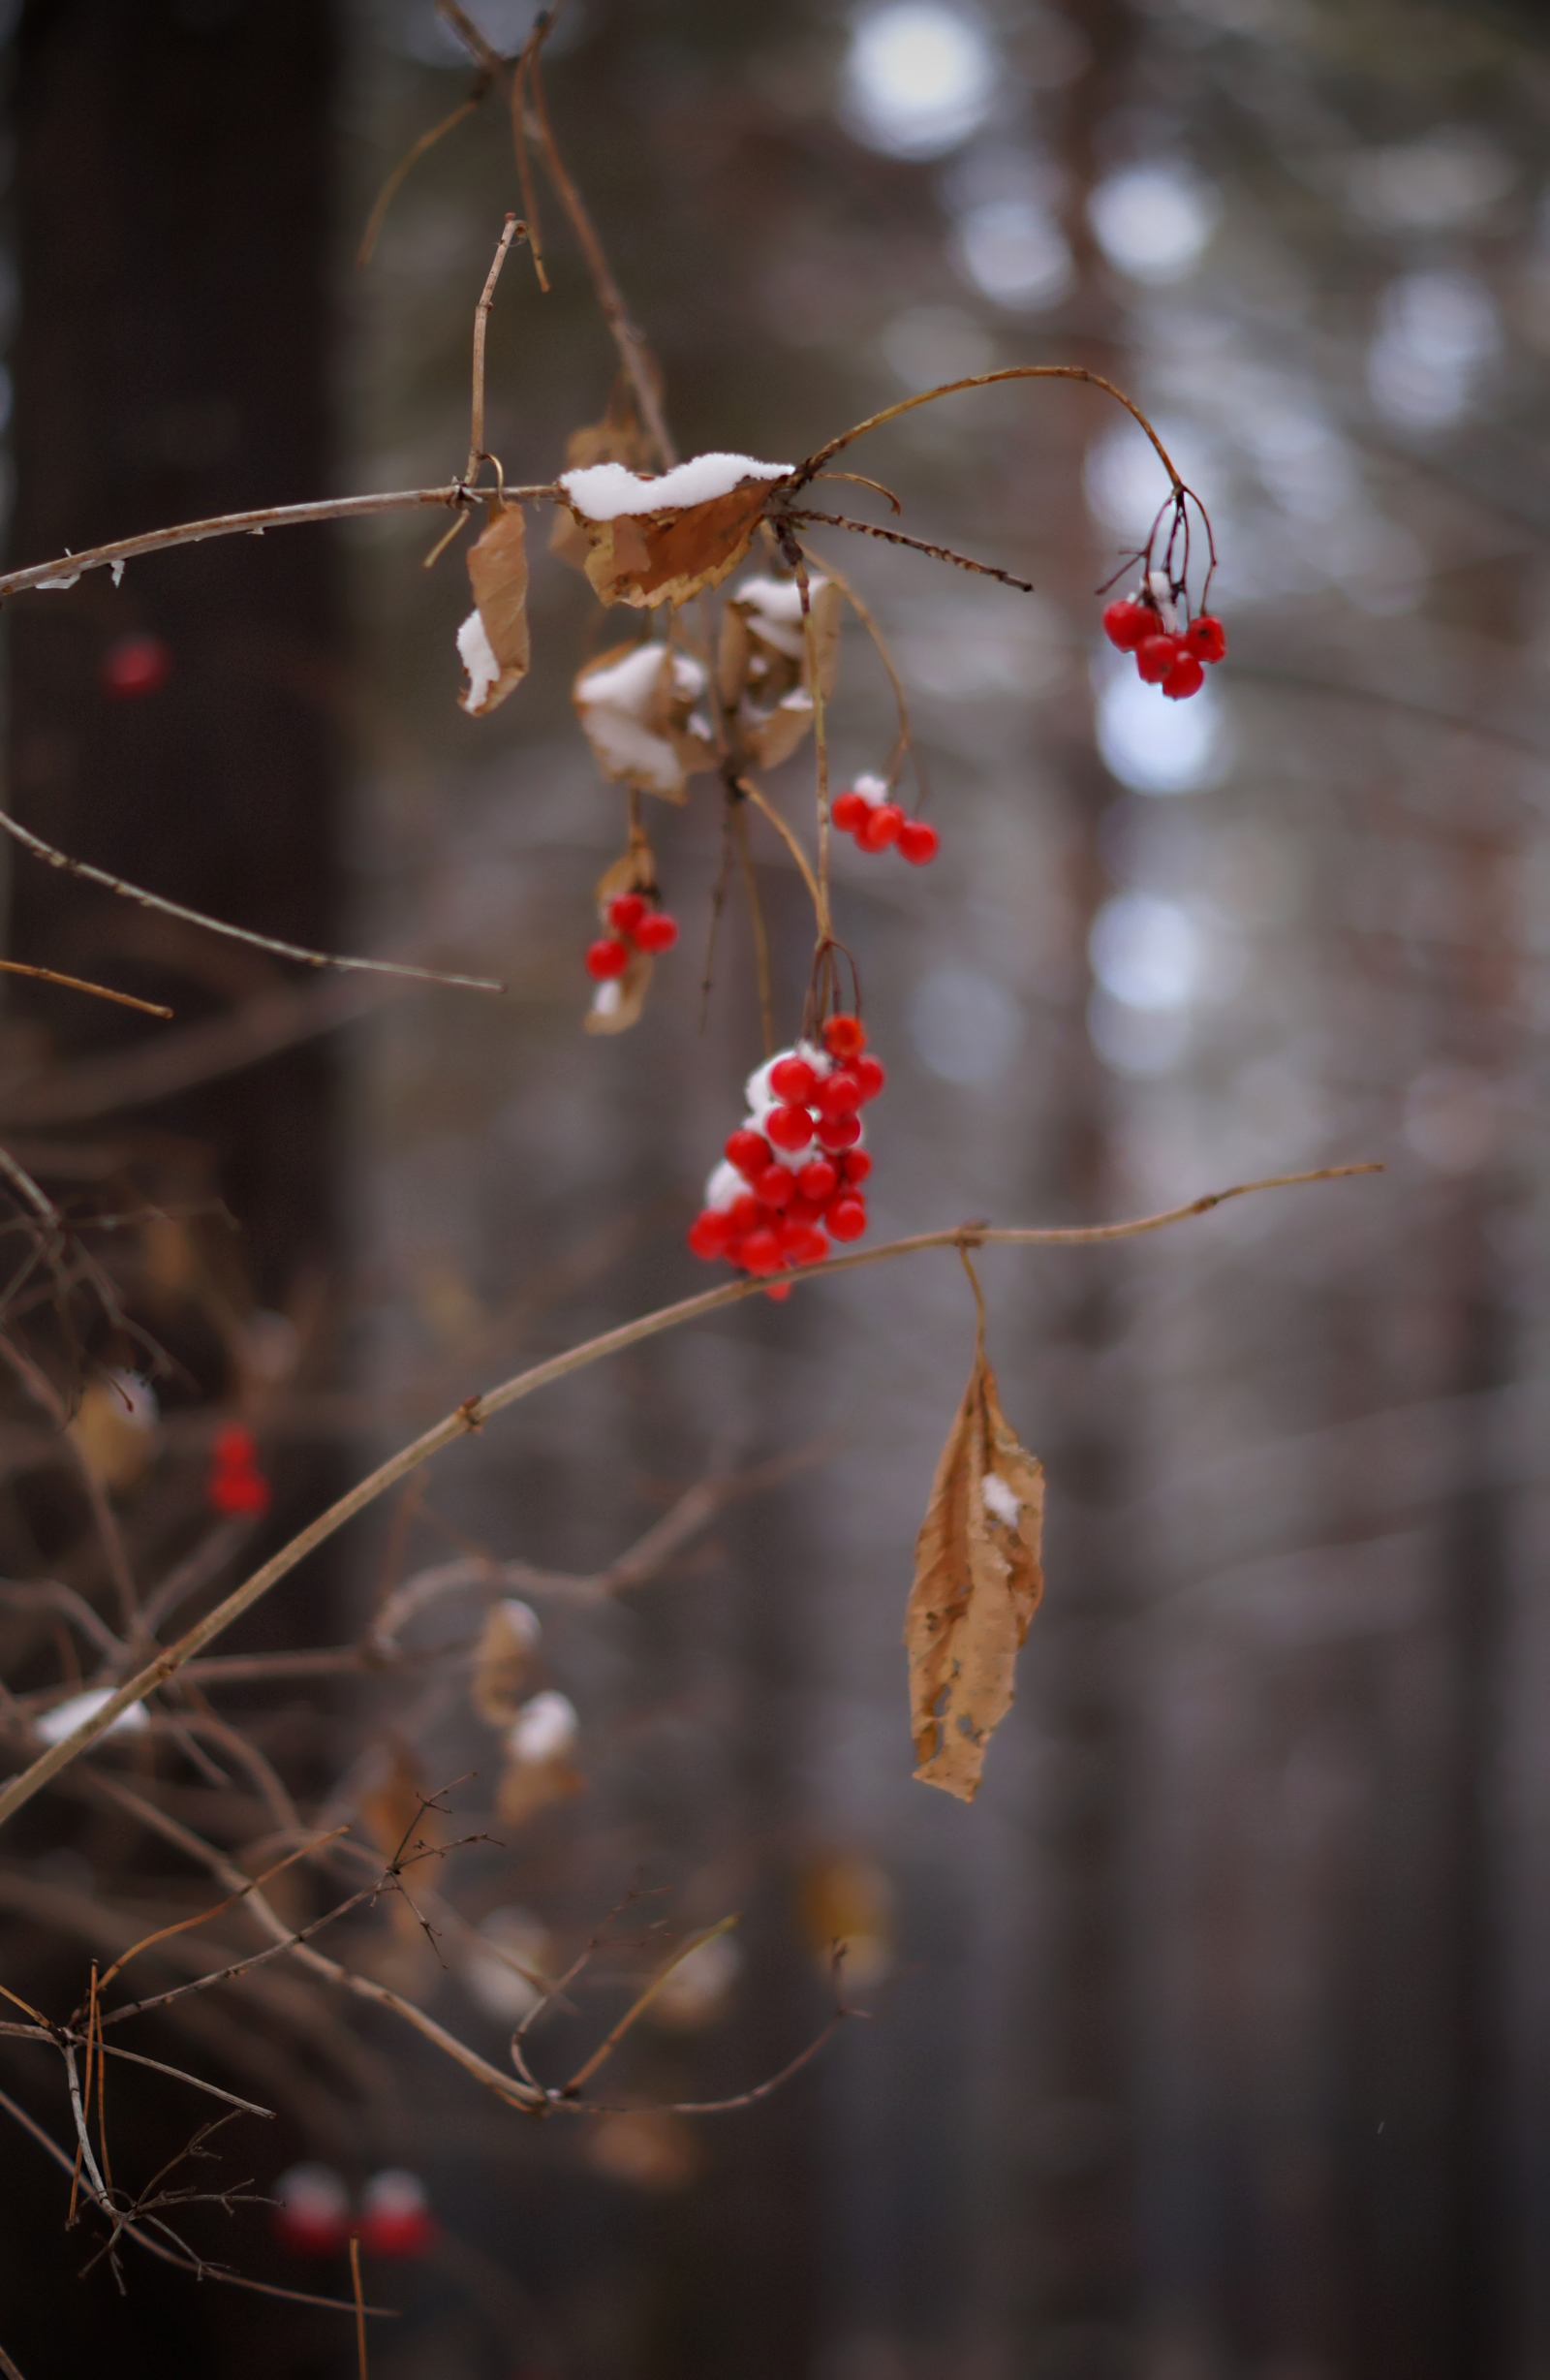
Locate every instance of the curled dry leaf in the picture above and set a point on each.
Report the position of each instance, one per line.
(502, 1661)
(661, 541)
(766, 685)
(493, 641)
(529, 1785)
(977, 1581)
(118, 1430)
(638, 707)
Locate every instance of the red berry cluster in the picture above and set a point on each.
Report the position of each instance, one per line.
(235, 1485)
(1167, 656)
(865, 811)
(634, 923)
(795, 1170)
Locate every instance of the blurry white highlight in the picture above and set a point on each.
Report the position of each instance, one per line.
(1157, 747)
(1146, 952)
(1152, 222)
(1434, 333)
(543, 1729)
(493, 1981)
(919, 79)
(54, 1726)
(965, 1026)
(1015, 252)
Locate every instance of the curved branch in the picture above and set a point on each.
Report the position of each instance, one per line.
(985, 380)
(476, 1411)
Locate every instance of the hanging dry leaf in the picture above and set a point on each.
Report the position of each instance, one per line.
(118, 1429)
(529, 1785)
(502, 1661)
(655, 541)
(618, 438)
(978, 1582)
(638, 707)
(765, 682)
(394, 1808)
(493, 641)
(539, 1768)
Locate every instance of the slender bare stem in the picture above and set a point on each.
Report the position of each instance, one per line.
(482, 317)
(77, 983)
(475, 1411)
(919, 544)
(985, 380)
(232, 934)
(756, 919)
(789, 840)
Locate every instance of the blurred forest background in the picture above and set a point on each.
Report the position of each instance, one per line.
(1214, 2040)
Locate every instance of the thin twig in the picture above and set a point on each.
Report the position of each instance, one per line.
(639, 2006)
(918, 545)
(985, 380)
(756, 919)
(77, 983)
(203, 1917)
(360, 2304)
(906, 741)
(233, 933)
(406, 165)
(476, 1410)
(768, 810)
(820, 746)
(482, 317)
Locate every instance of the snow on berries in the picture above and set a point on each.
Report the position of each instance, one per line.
(867, 810)
(1170, 649)
(794, 1171)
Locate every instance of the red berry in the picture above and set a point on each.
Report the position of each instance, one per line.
(1185, 677)
(313, 2215)
(606, 958)
(856, 1165)
(870, 1076)
(1206, 638)
(918, 843)
(747, 1151)
(760, 1251)
(793, 1078)
(779, 1291)
(839, 1131)
(817, 1180)
(135, 665)
(838, 1094)
(711, 1231)
(656, 934)
(805, 1244)
(626, 911)
(395, 2217)
(805, 1211)
(238, 1493)
(775, 1184)
(233, 1448)
(845, 1037)
(1127, 622)
(743, 1213)
(880, 826)
(849, 810)
(788, 1128)
(1154, 657)
(847, 1218)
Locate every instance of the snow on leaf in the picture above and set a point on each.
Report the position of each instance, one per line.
(762, 665)
(502, 1661)
(655, 541)
(637, 705)
(493, 641)
(618, 438)
(978, 1582)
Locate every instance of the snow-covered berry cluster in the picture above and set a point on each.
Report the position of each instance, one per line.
(1171, 650)
(633, 923)
(866, 811)
(794, 1171)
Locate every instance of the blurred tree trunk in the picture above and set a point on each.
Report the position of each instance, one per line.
(172, 202)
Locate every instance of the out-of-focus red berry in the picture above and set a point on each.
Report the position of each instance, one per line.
(606, 958)
(849, 810)
(656, 934)
(747, 1151)
(880, 826)
(1154, 657)
(313, 2215)
(845, 1037)
(626, 911)
(396, 2216)
(711, 1231)
(918, 842)
(1184, 678)
(788, 1128)
(1127, 622)
(140, 664)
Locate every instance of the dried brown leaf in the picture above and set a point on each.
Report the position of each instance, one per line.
(497, 566)
(394, 1808)
(638, 709)
(977, 1581)
(652, 558)
(766, 682)
(503, 1662)
(529, 1785)
(116, 1431)
(618, 438)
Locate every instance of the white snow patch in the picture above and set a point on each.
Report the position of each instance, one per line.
(543, 1729)
(872, 789)
(608, 491)
(65, 1717)
(477, 656)
(999, 1499)
(725, 1187)
(46, 583)
(606, 999)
